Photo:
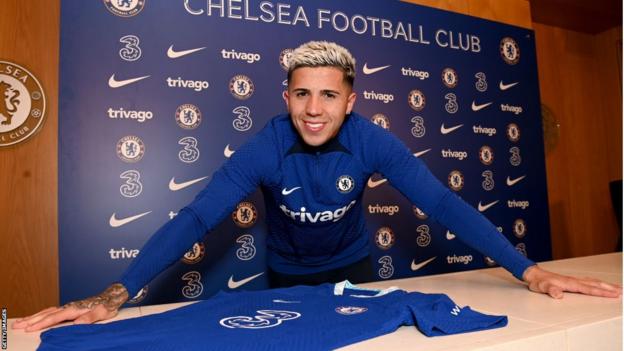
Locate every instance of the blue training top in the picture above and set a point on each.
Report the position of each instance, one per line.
(313, 198)
(322, 317)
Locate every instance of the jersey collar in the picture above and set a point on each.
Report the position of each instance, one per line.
(346, 288)
(333, 145)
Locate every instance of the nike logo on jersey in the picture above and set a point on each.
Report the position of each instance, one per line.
(367, 70)
(512, 182)
(232, 284)
(444, 130)
(375, 183)
(476, 107)
(116, 222)
(285, 301)
(173, 186)
(418, 266)
(420, 153)
(114, 83)
(227, 152)
(485, 207)
(449, 235)
(503, 86)
(176, 54)
(287, 192)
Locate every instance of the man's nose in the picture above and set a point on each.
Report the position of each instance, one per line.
(313, 106)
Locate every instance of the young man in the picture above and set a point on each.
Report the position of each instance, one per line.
(312, 166)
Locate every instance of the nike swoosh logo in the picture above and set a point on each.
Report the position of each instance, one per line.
(114, 83)
(511, 182)
(418, 266)
(176, 54)
(367, 70)
(173, 186)
(503, 86)
(485, 207)
(285, 301)
(449, 235)
(420, 153)
(287, 192)
(375, 183)
(235, 284)
(227, 152)
(476, 107)
(115, 222)
(444, 130)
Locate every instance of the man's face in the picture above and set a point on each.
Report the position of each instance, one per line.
(318, 100)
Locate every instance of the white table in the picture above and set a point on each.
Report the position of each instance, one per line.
(536, 322)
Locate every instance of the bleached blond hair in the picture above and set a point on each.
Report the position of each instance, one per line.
(323, 54)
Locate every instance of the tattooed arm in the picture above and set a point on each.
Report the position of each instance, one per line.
(92, 309)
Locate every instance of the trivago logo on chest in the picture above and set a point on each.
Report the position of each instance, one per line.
(324, 216)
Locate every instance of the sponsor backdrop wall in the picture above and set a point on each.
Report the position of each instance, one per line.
(155, 95)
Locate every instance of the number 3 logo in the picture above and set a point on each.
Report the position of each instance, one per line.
(264, 319)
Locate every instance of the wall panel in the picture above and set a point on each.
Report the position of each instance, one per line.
(29, 32)
(579, 83)
(515, 12)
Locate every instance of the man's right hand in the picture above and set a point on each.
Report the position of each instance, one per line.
(90, 310)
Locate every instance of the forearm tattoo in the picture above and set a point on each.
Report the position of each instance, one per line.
(111, 298)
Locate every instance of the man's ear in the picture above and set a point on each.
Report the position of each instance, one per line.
(285, 96)
(351, 101)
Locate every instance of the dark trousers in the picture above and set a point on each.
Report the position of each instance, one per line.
(358, 272)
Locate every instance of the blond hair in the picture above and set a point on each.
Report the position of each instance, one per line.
(323, 54)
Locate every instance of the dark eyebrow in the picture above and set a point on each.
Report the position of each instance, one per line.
(301, 90)
(325, 91)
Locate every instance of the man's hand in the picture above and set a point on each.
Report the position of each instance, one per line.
(555, 285)
(90, 310)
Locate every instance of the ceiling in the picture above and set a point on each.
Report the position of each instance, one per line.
(589, 16)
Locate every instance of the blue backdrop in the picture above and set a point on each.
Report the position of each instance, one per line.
(155, 94)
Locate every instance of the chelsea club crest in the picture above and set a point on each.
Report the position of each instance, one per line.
(22, 104)
(345, 184)
(124, 8)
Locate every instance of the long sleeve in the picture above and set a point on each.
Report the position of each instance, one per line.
(413, 179)
(236, 179)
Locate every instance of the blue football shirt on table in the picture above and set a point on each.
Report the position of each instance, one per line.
(322, 317)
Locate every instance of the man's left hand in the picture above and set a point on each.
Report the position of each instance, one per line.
(553, 284)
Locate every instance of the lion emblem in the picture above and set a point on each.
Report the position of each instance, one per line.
(8, 102)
